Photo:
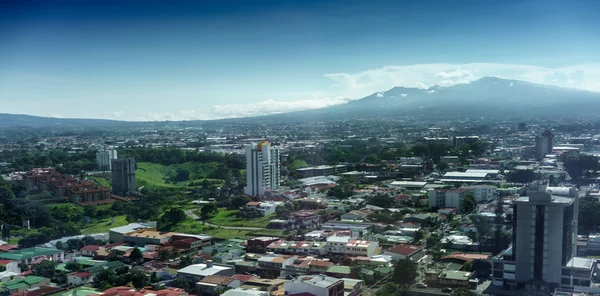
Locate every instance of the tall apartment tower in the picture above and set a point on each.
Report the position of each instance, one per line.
(104, 159)
(262, 168)
(123, 176)
(542, 255)
(543, 144)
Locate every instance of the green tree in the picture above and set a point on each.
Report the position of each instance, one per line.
(73, 266)
(284, 210)
(105, 279)
(45, 269)
(239, 201)
(154, 278)
(442, 166)
(136, 255)
(113, 255)
(468, 204)
(468, 266)
(164, 255)
(185, 261)
(181, 283)
(139, 279)
(381, 200)
(2, 268)
(174, 216)
(405, 272)
(208, 211)
(463, 292)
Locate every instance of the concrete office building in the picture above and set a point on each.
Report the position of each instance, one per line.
(104, 159)
(543, 144)
(123, 176)
(542, 255)
(262, 168)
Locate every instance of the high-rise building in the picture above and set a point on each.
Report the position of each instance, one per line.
(123, 176)
(104, 159)
(543, 144)
(542, 255)
(262, 168)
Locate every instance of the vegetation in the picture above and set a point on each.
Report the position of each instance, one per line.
(462, 292)
(468, 204)
(231, 218)
(405, 272)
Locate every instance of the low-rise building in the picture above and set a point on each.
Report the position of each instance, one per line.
(405, 251)
(212, 283)
(79, 278)
(29, 255)
(357, 247)
(196, 272)
(316, 285)
(294, 247)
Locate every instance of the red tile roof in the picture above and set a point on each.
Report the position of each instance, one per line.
(243, 277)
(467, 257)
(405, 249)
(92, 248)
(4, 262)
(81, 274)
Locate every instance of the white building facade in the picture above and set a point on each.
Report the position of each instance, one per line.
(262, 168)
(104, 159)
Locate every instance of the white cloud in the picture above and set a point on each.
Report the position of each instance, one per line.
(511, 84)
(118, 114)
(351, 86)
(404, 95)
(380, 94)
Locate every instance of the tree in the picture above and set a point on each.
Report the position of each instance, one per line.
(208, 211)
(468, 266)
(154, 278)
(73, 266)
(174, 215)
(164, 255)
(105, 279)
(59, 245)
(185, 261)
(239, 201)
(113, 255)
(136, 255)
(45, 269)
(405, 272)
(24, 267)
(283, 210)
(381, 200)
(521, 176)
(468, 204)
(390, 289)
(419, 235)
(462, 292)
(442, 166)
(139, 279)
(2, 268)
(182, 175)
(181, 283)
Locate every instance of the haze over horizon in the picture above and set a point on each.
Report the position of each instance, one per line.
(221, 59)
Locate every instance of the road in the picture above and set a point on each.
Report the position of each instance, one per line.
(190, 213)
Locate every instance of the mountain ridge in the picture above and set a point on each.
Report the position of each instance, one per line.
(486, 97)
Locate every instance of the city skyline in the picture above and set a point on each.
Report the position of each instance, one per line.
(235, 59)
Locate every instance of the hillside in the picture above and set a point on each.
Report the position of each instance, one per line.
(153, 174)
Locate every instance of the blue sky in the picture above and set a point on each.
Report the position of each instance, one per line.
(156, 60)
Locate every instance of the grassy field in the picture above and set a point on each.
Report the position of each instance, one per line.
(41, 195)
(102, 181)
(192, 227)
(227, 217)
(104, 225)
(154, 174)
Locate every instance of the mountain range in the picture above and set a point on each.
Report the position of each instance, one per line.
(488, 97)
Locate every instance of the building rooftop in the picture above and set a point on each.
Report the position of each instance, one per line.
(404, 249)
(580, 263)
(203, 270)
(29, 253)
(321, 281)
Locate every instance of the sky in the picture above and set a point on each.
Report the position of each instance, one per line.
(184, 60)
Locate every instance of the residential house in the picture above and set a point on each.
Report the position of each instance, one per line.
(23, 284)
(90, 250)
(30, 255)
(116, 234)
(272, 264)
(337, 244)
(212, 283)
(142, 237)
(405, 251)
(339, 271)
(259, 244)
(317, 285)
(79, 278)
(11, 266)
(267, 285)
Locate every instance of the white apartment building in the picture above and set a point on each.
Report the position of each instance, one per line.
(365, 248)
(104, 159)
(337, 244)
(483, 193)
(262, 168)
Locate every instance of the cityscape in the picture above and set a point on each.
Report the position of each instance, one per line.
(193, 148)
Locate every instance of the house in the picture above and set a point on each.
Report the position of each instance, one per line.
(336, 244)
(142, 237)
(210, 284)
(32, 254)
(274, 263)
(79, 278)
(90, 250)
(10, 266)
(23, 284)
(40, 291)
(268, 285)
(265, 208)
(293, 247)
(405, 251)
(317, 285)
(259, 244)
(339, 271)
(455, 278)
(196, 272)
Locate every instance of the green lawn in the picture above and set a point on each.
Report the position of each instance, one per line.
(41, 195)
(104, 225)
(159, 175)
(192, 227)
(102, 181)
(227, 217)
